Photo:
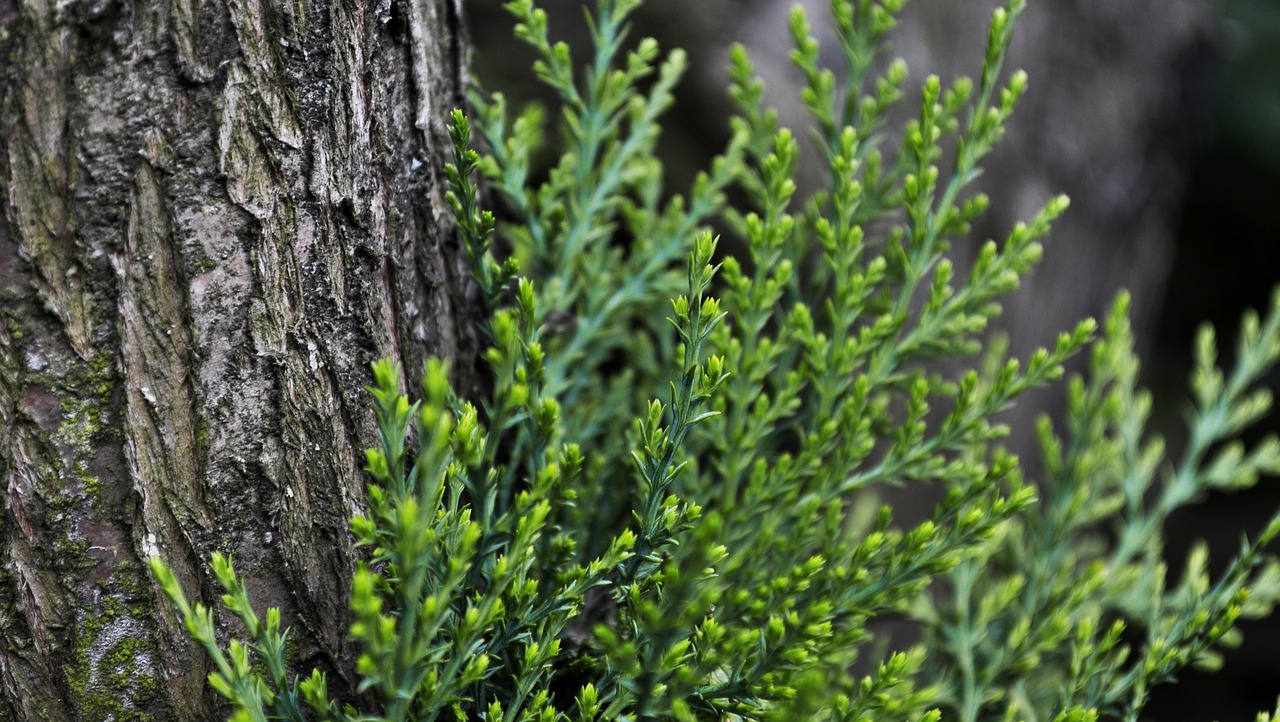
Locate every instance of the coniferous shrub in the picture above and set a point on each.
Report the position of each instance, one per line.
(665, 508)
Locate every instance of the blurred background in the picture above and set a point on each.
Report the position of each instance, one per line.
(1159, 118)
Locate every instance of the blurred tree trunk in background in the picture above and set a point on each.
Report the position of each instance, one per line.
(1111, 105)
(215, 215)
(1118, 93)
(1115, 93)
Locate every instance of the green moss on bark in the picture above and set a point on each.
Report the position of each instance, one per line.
(113, 672)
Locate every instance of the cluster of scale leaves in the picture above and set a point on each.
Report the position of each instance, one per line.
(665, 509)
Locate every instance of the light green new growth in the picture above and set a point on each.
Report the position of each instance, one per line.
(573, 548)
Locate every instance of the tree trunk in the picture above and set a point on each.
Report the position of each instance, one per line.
(1116, 95)
(215, 215)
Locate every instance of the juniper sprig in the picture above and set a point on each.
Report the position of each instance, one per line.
(665, 508)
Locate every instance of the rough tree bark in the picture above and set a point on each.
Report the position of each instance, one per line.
(216, 213)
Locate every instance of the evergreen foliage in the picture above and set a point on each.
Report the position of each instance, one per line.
(665, 509)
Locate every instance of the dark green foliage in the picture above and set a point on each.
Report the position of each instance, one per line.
(574, 548)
